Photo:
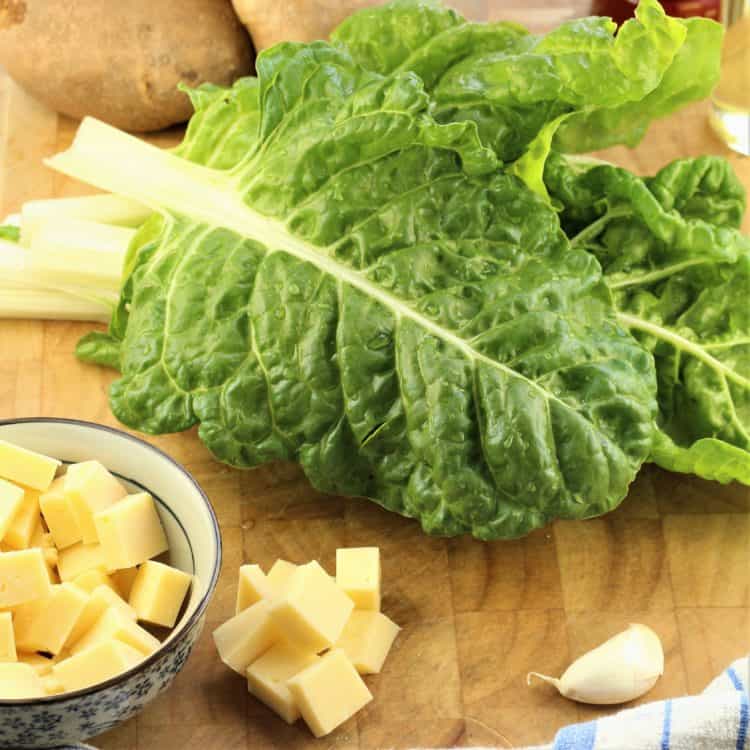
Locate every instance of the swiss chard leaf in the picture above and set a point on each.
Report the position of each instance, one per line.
(704, 188)
(10, 232)
(224, 128)
(681, 284)
(366, 293)
(222, 131)
(690, 77)
(513, 84)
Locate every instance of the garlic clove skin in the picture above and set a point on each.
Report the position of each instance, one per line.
(622, 669)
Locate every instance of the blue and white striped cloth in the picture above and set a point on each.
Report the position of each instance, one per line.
(715, 720)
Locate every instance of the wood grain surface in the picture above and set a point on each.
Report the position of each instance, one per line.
(476, 617)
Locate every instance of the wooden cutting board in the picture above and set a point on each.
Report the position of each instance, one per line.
(476, 617)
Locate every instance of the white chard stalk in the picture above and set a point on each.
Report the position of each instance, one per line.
(622, 669)
(48, 304)
(73, 251)
(103, 209)
(70, 267)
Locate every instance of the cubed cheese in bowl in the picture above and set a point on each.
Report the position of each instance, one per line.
(130, 672)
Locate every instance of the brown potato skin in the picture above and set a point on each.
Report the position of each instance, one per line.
(272, 21)
(121, 60)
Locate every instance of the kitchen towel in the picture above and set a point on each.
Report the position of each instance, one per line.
(717, 719)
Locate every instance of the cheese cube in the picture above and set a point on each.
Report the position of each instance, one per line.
(158, 592)
(7, 638)
(100, 600)
(21, 529)
(51, 685)
(51, 558)
(253, 586)
(23, 577)
(90, 489)
(57, 509)
(267, 677)
(279, 575)
(92, 579)
(80, 558)
(43, 541)
(329, 692)
(244, 637)
(130, 531)
(11, 501)
(45, 624)
(123, 580)
(358, 574)
(42, 665)
(101, 662)
(40, 538)
(19, 680)
(367, 639)
(313, 610)
(26, 467)
(113, 624)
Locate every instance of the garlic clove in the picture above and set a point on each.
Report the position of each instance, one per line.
(622, 669)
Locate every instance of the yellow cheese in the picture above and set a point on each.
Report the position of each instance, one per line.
(41, 539)
(158, 592)
(279, 575)
(130, 531)
(313, 610)
(26, 467)
(123, 580)
(45, 624)
(7, 638)
(101, 662)
(244, 637)
(367, 639)
(253, 586)
(18, 534)
(113, 624)
(267, 677)
(51, 556)
(329, 692)
(23, 577)
(90, 489)
(42, 665)
(11, 501)
(51, 685)
(59, 515)
(101, 599)
(358, 574)
(80, 558)
(19, 680)
(92, 579)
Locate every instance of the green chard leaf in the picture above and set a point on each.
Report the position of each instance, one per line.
(592, 86)
(224, 128)
(367, 294)
(681, 284)
(10, 232)
(222, 131)
(691, 76)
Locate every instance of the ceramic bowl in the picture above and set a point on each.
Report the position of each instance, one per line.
(195, 547)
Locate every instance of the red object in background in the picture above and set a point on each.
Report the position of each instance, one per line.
(621, 10)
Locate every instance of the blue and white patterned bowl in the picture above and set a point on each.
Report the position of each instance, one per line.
(195, 547)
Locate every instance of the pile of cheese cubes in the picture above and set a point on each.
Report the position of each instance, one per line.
(76, 575)
(303, 639)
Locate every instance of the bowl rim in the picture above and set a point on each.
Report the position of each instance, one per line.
(186, 626)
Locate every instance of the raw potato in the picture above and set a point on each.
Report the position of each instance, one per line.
(295, 20)
(122, 61)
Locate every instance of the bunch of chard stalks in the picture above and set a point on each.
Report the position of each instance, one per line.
(62, 259)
